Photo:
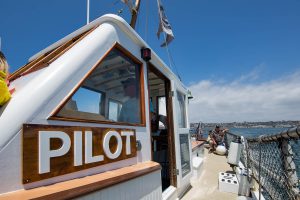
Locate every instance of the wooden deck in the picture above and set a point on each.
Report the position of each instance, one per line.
(206, 187)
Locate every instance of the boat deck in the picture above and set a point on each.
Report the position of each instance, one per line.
(206, 187)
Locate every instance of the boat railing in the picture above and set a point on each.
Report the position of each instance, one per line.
(274, 162)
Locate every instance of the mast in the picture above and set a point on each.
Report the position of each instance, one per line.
(134, 13)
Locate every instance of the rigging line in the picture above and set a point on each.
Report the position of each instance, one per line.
(170, 58)
(176, 69)
(167, 48)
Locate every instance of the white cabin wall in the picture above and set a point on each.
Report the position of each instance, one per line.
(10, 165)
(34, 101)
(146, 187)
(32, 98)
(94, 42)
(47, 88)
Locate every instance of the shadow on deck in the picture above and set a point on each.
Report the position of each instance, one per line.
(206, 187)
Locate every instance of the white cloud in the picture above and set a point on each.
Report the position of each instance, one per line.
(237, 101)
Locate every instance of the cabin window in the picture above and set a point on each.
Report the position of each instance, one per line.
(184, 154)
(180, 104)
(112, 92)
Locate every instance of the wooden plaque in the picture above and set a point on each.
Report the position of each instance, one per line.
(61, 146)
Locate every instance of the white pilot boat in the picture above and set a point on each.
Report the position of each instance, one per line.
(61, 133)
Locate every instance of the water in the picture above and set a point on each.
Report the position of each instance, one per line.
(254, 132)
(250, 132)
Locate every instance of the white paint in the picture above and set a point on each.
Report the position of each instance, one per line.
(182, 182)
(78, 174)
(37, 95)
(89, 158)
(127, 134)
(80, 58)
(147, 187)
(170, 193)
(106, 148)
(45, 153)
(197, 166)
(77, 148)
(228, 183)
(10, 165)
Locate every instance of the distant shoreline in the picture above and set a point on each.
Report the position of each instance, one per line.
(269, 124)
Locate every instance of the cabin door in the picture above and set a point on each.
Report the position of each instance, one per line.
(182, 136)
(162, 128)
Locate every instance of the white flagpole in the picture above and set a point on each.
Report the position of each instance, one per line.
(88, 12)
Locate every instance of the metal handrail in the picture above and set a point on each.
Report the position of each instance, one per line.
(290, 133)
(284, 140)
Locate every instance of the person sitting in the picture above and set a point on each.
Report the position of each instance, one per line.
(216, 138)
(4, 91)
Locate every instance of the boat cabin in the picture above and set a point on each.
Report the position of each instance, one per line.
(96, 115)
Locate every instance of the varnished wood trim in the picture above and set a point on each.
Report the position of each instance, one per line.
(171, 130)
(142, 95)
(93, 121)
(196, 144)
(25, 67)
(53, 115)
(73, 43)
(57, 53)
(47, 58)
(171, 135)
(82, 186)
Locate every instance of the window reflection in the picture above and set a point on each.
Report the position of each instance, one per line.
(185, 154)
(110, 93)
(181, 110)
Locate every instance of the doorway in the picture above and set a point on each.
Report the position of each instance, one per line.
(162, 129)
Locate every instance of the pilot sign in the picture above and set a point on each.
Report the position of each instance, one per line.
(50, 151)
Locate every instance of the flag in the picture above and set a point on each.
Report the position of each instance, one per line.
(164, 25)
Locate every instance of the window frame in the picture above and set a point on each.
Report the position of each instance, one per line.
(130, 56)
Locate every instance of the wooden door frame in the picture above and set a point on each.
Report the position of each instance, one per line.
(171, 136)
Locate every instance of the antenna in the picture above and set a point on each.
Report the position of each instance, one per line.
(87, 11)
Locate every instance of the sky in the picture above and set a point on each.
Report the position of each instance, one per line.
(239, 58)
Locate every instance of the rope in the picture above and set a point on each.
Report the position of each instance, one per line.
(170, 57)
(175, 67)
